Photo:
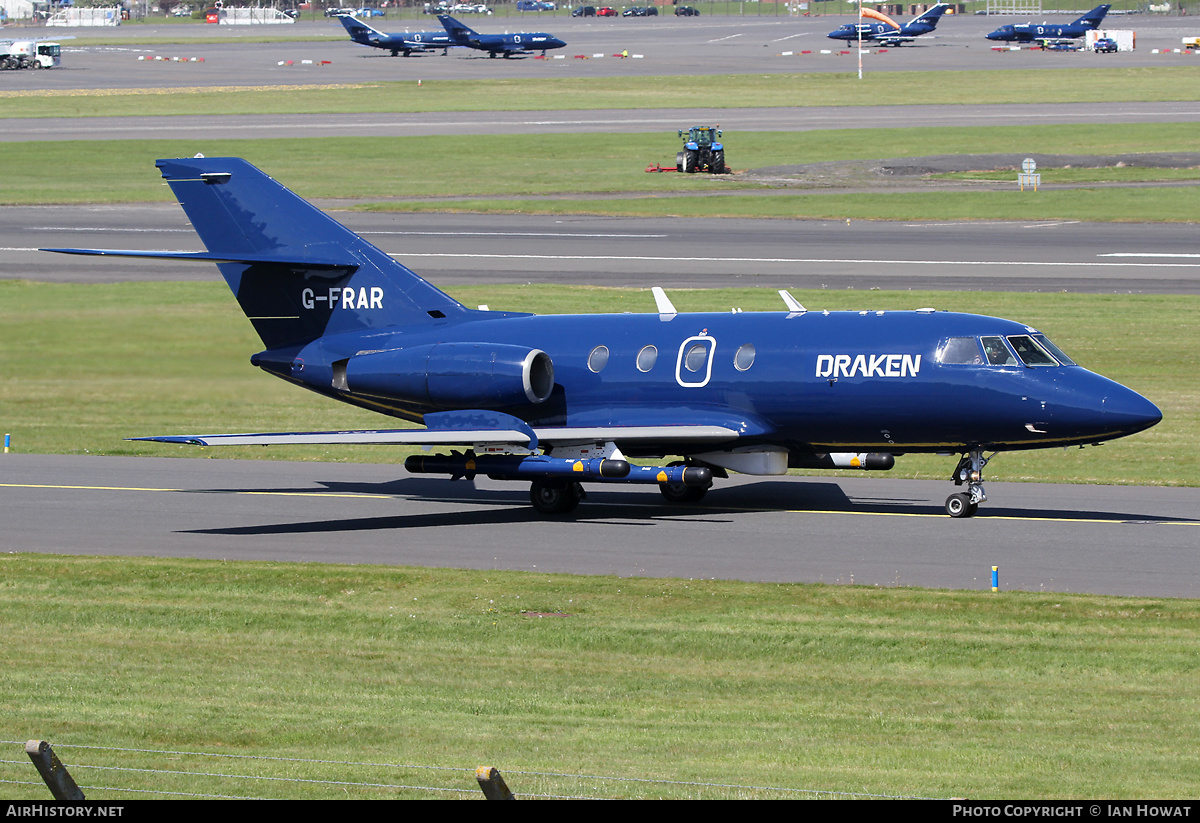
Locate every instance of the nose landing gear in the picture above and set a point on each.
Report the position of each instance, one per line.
(970, 471)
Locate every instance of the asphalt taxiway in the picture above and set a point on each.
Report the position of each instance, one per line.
(862, 530)
(454, 249)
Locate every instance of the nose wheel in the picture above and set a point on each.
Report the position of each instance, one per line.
(969, 471)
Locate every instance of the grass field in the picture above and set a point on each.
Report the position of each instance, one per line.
(812, 689)
(525, 173)
(1100, 86)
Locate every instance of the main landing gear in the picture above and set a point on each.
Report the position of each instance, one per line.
(970, 471)
(552, 496)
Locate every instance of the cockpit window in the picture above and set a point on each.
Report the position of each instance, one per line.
(997, 353)
(1054, 350)
(1030, 352)
(960, 351)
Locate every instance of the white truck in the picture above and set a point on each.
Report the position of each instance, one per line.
(30, 54)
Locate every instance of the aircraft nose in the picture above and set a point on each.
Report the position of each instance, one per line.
(994, 35)
(1130, 411)
(1099, 408)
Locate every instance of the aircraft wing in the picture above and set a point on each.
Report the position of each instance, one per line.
(462, 437)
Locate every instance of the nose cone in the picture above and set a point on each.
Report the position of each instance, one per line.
(1088, 408)
(995, 35)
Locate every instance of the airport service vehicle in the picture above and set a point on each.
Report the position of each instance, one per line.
(560, 400)
(701, 151)
(30, 54)
(1104, 45)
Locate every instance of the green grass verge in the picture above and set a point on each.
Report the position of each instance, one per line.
(565, 166)
(89, 365)
(803, 687)
(1100, 86)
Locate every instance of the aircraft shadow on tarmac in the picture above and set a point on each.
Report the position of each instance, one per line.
(492, 506)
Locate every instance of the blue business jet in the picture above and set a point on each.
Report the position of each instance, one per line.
(1029, 32)
(408, 42)
(493, 44)
(561, 400)
(884, 35)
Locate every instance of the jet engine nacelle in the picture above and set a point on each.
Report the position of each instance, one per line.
(455, 375)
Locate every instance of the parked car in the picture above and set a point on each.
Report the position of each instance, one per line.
(584, 11)
(686, 11)
(607, 11)
(634, 11)
(1104, 44)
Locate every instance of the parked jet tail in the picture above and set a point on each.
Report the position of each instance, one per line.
(460, 32)
(297, 273)
(359, 31)
(1094, 17)
(932, 16)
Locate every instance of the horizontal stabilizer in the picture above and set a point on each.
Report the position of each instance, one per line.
(293, 260)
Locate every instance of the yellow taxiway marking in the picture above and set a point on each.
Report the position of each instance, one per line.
(688, 513)
(193, 491)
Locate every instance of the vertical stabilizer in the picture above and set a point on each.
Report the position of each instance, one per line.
(297, 273)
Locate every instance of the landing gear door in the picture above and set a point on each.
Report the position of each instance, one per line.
(693, 366)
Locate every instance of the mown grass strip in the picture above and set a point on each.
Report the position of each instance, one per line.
(466, 166)
(803, 687)
(1100, 86)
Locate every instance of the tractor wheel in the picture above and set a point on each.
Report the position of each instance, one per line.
(717, 165)
(690, 161)
(679, 161)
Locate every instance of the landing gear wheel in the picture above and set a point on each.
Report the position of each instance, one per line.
(681, 493)
(555, 497)
(960, 505)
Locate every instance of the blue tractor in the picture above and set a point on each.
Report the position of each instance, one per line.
(701, 152)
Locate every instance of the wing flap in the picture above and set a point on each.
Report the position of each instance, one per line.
(457, 437)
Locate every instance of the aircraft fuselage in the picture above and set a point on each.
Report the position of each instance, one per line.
(811, 381)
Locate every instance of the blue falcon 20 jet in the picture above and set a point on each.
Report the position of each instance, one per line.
(493, 44)
(557, 401)
(885, 35)
(408, 42)
(1029, 32)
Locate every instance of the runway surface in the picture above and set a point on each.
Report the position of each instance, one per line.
(665, 45)
(453, 249)
(861, 530)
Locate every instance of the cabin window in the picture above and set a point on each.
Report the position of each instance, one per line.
(744, 358)
(960, 351)
(646, 358)
(997, 353)
(696, 357)
(598, 359)
(1030, 352)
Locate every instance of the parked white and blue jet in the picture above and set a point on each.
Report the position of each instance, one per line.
(884, 35)
(505, 44)
(558, 401)
(1030, 32)
(406, 42)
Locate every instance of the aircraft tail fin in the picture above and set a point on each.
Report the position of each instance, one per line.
(932, 16)
(297, 273)
(1095, 17)
(460, 32)
(359, 31)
